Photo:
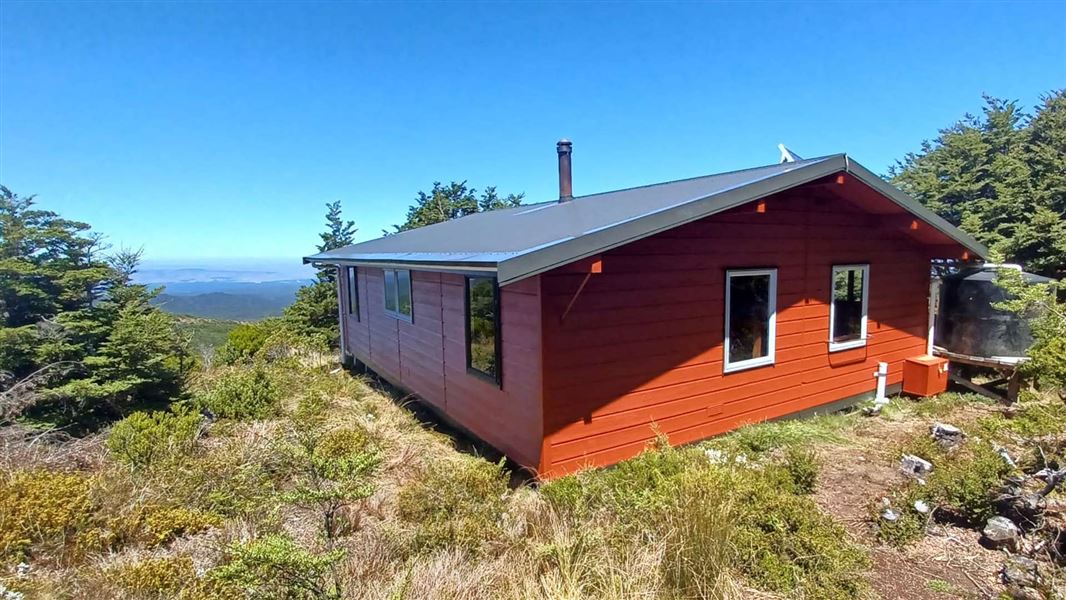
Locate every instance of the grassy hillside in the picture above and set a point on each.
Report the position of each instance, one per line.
(312, 483)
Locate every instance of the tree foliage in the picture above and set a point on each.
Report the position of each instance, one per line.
(72, 320)
(446, 202)
(1000, 176)
(338, 234)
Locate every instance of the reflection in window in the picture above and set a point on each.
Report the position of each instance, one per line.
(353, 291)
(482, 326)
(847, 310)
(398, 301)
(750, 318)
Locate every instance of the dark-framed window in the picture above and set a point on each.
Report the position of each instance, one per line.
(398, 300)
(750, 318)
(848, 306)
(483, 357)
(352, 281)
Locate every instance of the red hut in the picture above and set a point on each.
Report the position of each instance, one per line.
(569, 333)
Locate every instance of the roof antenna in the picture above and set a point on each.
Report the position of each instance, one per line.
(787, 155)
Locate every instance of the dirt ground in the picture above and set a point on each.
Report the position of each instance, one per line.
(948, 563)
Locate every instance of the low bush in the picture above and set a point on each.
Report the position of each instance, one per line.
(962, 488)
(42, 508)
(275, 566)
(457, 503)
(165, 577)
(144, 438)
(802, 466)
(245, 341)
(242, 394)
(332, 470)
(162, 525)
(1033, 417)
(716, 519)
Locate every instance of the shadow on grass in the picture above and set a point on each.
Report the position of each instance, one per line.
(430, 418)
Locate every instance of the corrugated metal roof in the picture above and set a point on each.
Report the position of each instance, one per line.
(523, 241)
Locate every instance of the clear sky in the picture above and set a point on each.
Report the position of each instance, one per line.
(202, 130)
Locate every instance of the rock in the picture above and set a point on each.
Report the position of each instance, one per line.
(948, 436)
(872, 411)
(1001, 532)
(890, 514)
(1005, 456)
(715, 456)
(1021, 571)
(22, 570)
(921, 506)
(914, 466)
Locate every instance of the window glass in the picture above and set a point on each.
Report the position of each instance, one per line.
(403, 285)
(750, 316)
(390, 290)
(848, 308)
(353, 292)
(482, 346)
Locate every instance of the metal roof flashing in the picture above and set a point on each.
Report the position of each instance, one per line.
(517, 243)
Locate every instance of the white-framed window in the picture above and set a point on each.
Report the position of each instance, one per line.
(351, 278)
(849, 293)
(398, 301)
(750, 318)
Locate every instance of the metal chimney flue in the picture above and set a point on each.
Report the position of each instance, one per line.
(566, 185)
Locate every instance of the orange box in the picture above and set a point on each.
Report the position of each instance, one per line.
(925, 375)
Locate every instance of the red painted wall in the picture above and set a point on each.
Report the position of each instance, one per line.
(427, 356)
(641, 349)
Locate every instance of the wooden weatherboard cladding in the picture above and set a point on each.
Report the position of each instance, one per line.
(601, 358)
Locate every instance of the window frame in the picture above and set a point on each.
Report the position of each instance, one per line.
(497, 378)
(863, 332)
(771, 333)
(396, 314)
(351, 275)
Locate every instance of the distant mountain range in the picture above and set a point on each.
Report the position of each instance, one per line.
(241, 292)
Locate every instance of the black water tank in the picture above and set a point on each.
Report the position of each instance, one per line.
(969, 323)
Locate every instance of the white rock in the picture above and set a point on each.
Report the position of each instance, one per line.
(921, 506)
(1001, 532)
(890, 514)
(914, 466)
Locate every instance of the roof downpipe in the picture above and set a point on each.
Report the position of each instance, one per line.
(566, 185)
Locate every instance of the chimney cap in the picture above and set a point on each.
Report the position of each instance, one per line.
(564, 142)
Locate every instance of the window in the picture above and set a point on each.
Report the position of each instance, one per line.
(353, 292)
(750, 318)
(398, 293)
(483, 327)
(847, 307)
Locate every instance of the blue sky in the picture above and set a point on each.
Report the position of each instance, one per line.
(201, 130)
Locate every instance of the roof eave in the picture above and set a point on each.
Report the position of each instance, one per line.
(545, 259)
(914, 207)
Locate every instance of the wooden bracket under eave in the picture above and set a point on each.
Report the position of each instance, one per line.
(588, 266)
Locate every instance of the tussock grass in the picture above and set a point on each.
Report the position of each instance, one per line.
(217, 518)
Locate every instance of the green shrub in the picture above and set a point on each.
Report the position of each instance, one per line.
(245, 341)
(274, 566)
(143, 438)
(332, 470)
(458, 503)
(802, 467)
(1033, 418)
(242, 394)
(631, 488)
(40, 507)
(717, 519)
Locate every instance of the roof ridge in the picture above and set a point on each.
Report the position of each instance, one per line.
(648, 185)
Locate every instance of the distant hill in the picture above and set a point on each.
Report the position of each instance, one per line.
(227, 306)
(233, 290)
(206, 334)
